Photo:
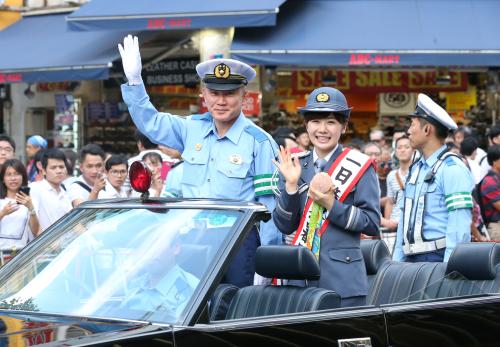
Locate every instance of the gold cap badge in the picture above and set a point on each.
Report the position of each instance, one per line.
(322, 97)
(222, 71)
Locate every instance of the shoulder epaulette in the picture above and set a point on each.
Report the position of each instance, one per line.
(449, 161)
(257, 133)
(301, 155)
(204, 116)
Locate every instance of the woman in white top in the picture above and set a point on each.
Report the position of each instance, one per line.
(18, 220)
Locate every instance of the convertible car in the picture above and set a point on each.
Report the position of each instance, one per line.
(150, 272)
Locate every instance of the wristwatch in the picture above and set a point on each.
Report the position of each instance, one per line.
(32, 212)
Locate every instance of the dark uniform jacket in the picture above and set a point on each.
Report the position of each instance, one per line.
(341, 262)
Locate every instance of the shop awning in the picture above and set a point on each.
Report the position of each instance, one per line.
(376, 32)
(42, 49)
(168, 15)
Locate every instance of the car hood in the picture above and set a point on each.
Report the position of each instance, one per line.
(31, 329)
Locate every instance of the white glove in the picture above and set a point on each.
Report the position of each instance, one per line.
(131, 59)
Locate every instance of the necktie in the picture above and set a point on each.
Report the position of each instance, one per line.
(319, 165)
(316, 218)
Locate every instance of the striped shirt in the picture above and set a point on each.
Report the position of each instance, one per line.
(395, 192)
(490, 193)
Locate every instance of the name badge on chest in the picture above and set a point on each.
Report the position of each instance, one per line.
(236, 159)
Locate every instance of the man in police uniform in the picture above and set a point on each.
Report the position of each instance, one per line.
(164, 287)
(437, 203)
(225, 154)
(349, 208)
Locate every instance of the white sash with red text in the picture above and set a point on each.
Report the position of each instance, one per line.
(345, 173)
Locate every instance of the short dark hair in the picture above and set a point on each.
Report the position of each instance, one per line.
(441, 131)
(399, 130)
(493, 154)
(70, 160)
(451, 145)
(319, 115)
(468, 145)
(494, 131)
(144, 140)
(39, 155)
(91, 149)
(370, 144)
(300, 130)
(153, 156)
(403, 137)
(17, 165)
(464, 130)
(53, 153)
(115, 159)
(7, 138)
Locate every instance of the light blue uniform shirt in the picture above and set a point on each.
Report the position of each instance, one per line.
(214, 167)
(171, 293)
(452, 177)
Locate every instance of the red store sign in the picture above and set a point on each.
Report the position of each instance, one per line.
(12, 77)
(163, 23)
(374, 59)
(304, 81)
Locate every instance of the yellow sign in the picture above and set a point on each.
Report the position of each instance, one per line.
(461, 100)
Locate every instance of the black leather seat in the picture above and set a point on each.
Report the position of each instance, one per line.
(473, 268)
(285, 262)
(376, 255)
(219, 304)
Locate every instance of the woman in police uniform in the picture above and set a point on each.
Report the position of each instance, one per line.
(336, 239)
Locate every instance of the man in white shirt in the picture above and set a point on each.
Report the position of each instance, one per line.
(49, 196)
(468, 148)
(116, 173)
(91, 181)
(493, 139)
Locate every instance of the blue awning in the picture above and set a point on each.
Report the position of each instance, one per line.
(168, 15)
(376, 32)
(42, 49)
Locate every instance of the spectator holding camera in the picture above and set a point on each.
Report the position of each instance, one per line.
(88, 185)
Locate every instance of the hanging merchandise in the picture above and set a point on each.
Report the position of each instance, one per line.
(66, 122)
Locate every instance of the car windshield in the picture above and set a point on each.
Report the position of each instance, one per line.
(138, 264)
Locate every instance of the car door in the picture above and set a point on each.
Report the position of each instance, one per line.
(341, 327)
(457, 322)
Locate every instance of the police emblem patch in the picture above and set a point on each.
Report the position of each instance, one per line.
(322, 97)
(222, 71)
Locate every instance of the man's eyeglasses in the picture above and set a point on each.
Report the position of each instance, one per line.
(384, 164)
(118, 172)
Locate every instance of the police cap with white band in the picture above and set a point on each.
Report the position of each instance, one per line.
(225, 74)
(429, 110)
(327, 99)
